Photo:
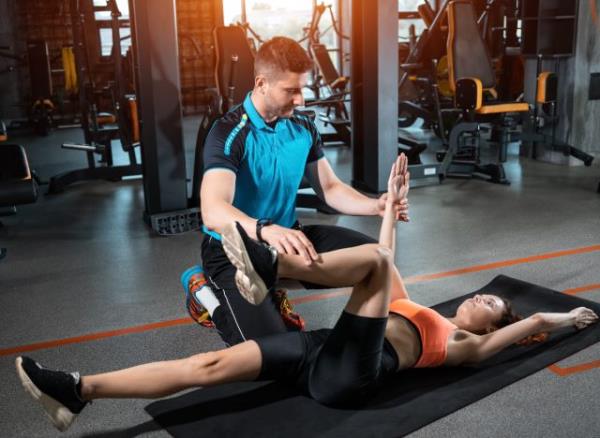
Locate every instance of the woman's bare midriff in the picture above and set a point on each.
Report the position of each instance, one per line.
(405, 339)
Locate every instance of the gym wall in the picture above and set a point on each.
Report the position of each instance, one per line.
(585, 129)
(195, 22)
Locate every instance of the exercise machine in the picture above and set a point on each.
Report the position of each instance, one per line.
(100, 128)
(540, 128)
(17, 184)
(472, 77)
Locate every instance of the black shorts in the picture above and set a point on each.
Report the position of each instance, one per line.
(237, 320)
(340, 367)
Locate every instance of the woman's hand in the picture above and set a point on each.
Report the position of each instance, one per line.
(583, 317)
(398, 182)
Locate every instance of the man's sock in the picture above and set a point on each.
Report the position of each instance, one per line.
(207, 298)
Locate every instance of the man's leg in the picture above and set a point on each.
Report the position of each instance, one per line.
(235, 318)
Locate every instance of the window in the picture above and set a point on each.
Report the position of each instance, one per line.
(265, 18)
(403, 25)
(103, 22)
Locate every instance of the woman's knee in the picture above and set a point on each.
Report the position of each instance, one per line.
(382, 259)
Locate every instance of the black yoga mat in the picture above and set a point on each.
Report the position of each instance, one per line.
(412, 399)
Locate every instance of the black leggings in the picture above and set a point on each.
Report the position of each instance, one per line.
(338, 367)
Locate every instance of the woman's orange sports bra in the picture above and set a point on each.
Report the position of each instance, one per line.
(433, 328)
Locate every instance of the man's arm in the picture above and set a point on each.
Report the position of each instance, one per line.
(341, 196)
(337, 194)
(216, 194)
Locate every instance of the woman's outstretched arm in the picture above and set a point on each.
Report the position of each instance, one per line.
(398, 185)
(474, 348)
(242, 362)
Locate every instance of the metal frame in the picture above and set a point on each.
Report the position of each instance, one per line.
(156, 70)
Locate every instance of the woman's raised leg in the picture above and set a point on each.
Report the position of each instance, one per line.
(349, 363)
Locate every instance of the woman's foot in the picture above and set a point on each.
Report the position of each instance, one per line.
(58, 392)
(256, 263)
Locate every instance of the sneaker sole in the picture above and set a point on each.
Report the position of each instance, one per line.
(249, 283)
(59, 414)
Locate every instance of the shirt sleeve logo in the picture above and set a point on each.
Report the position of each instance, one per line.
(234, 133)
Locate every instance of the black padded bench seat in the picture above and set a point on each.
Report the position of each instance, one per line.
(16, 183)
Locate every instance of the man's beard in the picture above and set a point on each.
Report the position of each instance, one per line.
(284, 112)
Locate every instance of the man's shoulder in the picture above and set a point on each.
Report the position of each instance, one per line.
(230, 123)
(304, 118)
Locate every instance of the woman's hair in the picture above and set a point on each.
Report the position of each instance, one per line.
(281, 54)
(509, 316)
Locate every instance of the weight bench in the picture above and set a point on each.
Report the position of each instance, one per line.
(17, 186)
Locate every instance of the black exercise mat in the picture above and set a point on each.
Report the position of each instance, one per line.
(413, 399)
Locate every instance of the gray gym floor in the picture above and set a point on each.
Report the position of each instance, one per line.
(84, 262)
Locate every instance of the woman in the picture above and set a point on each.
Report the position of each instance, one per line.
(379, 333)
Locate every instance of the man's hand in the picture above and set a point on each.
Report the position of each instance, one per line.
(288, 241)
(398, 186)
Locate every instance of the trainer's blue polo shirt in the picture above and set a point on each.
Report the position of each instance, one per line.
(269, 160)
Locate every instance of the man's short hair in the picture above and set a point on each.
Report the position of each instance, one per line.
(281, 54)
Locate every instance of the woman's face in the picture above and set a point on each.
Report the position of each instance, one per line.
(481, 312)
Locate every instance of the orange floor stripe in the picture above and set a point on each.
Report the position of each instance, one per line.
(95, 336)
(578, 290)
(502, 264)
(563, 372)
(299, 300)
(318, 297)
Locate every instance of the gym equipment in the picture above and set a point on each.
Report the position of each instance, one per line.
(540, 128)
(418, 86)
(336, 98)
(100, 128)
(338, 95)
(330, 88)
(424, 89)
(3, 132)
(234, 65)
(156, 71)
(470, 74)
(413, 399)
(42, 108)
(17, 185)
(540, 39)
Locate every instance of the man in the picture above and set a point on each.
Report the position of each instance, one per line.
(254, 159)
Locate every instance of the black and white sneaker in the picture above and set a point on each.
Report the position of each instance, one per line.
(255, 262)
(57, 391)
